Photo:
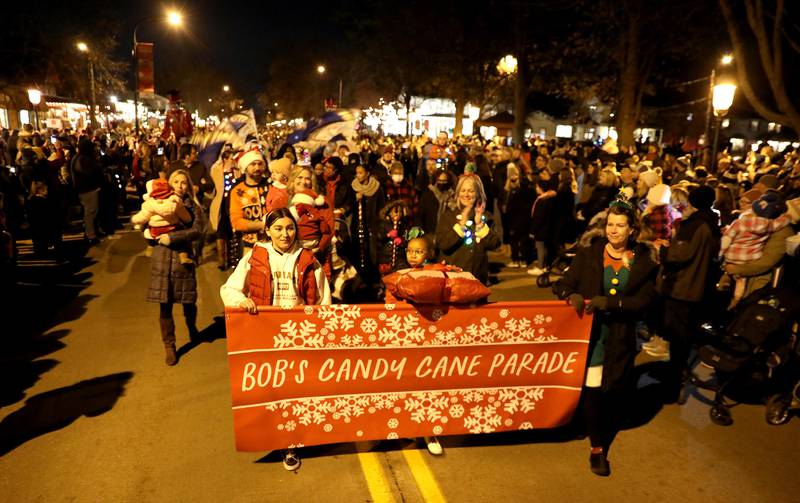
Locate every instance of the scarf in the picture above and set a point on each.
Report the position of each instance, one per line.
(368, 189)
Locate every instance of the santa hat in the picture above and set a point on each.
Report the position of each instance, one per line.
(281, 166)
(309, 197)
(659, 195)
(247, 157)
(160, 189)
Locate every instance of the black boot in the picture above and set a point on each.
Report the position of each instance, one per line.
(599, 464)
(168, 337)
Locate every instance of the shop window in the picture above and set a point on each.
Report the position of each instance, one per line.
(24, 117)
(4, 118)
(754, 125)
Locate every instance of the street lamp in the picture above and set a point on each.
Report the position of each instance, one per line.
(507, 65)
(226, 88)
(721, 99)
(321, 70)
(174, 19)
(82, 47)
(725, 60)
(35, 97)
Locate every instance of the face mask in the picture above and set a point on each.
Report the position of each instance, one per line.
(443, 186)
(397, 178)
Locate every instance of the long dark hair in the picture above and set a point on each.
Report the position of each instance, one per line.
(276, 215)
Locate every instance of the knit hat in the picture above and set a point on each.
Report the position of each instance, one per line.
(248, 157)
(702, 198)
(730, 176)
(700, 172)
(388, 149)
(309, 197)
(684, 161)
(650, 178)
(769, 181)
(750, 197)
(281, 166)
(659, 195)
(161, 189)
(770, 205)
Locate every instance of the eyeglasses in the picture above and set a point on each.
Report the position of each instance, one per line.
(417, 253)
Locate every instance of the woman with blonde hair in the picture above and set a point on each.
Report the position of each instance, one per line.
(172, 282)
(465, 230)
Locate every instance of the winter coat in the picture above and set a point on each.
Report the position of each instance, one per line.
(518, 209)
(585, 277)
(542, 217)
(171, 281)
(471, 258)
(370, 206)
(86, 173)
(431, 205)
(688, 262)
(162, 212)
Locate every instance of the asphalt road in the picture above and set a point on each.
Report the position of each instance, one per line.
(91, 413)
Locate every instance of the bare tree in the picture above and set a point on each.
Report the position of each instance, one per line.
(769, 35)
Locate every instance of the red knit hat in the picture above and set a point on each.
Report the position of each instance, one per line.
(161, 189)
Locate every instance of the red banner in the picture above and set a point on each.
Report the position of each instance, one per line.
(144, 65)
(326, 374)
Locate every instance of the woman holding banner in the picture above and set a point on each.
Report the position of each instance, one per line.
(278, 272)
(616, 274)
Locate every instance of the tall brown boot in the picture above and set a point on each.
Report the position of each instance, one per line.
(168, 337)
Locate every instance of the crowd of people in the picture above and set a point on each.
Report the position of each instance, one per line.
(658, 238)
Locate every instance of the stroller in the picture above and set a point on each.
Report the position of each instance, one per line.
(558, 267)
(756, 356)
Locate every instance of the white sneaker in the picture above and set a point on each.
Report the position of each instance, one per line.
(536, 271)
(291, 461)
(434, 447)
(656, 347)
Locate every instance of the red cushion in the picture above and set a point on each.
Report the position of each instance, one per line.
(436, 284)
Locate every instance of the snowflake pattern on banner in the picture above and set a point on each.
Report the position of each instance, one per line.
(304, 335)
(339, 316)
(402, 331)
(476, 410)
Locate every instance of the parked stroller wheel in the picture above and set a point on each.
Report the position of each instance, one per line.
(720, 415)
(777, 411)
(543, 281)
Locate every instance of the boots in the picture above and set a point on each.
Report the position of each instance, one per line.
(222, 254)
(190, 314)
(168, 337)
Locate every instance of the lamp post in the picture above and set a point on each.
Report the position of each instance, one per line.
(35, 97)
(90, 63)
(725, 60)
(321, 70)
(722, 99)
(174, 19)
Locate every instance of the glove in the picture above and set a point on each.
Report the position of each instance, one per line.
(598, 303)
(576, 301)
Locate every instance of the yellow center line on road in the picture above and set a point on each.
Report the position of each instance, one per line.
(423, 476)
(378, 485)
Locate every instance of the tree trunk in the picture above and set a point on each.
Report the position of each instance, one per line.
(629, 83)
(520, 95)
(459, 114)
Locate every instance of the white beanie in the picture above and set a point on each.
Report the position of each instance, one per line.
(659, 195)
(246, 158)
(650, 177)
